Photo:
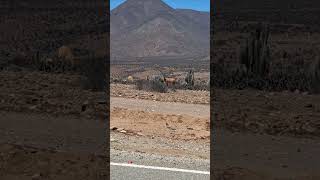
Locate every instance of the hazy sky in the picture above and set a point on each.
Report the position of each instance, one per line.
(200, 5)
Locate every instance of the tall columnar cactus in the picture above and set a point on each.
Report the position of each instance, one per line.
(255, 55)
(315, 76)
(190, 79)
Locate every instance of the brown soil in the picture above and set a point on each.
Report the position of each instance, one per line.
(173, 126)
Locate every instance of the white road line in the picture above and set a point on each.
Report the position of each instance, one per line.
(159, 168)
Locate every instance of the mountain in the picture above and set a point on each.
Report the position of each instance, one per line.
(146, 28)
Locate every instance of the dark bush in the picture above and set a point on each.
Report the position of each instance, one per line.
(152, 85)
(94, 70)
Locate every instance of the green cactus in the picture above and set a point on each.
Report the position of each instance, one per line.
(255, 55)
(190, 79)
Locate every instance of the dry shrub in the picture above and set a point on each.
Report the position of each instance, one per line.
(152, 85)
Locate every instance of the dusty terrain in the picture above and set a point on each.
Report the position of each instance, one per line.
(183, 121)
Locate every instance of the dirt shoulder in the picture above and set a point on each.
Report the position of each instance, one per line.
(163, 119)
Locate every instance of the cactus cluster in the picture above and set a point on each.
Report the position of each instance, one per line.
(255, 55)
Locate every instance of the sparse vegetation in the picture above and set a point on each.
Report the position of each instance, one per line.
(264, 68)
(155, 84)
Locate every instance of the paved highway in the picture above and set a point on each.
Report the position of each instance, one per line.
(124, 171)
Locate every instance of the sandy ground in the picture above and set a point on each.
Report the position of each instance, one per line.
(170, 120)
(155, 124)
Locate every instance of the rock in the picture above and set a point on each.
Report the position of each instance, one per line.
(297, 91)
(140, 134)
(120, 129)
(305, 93)
(85, 102)
(308, 106)
(84, 106)
(36, 176)
(123, 131)
(171, 128)
(298, 150)
(309, 128)
(271, 94)
(113, 128)
(33, 107)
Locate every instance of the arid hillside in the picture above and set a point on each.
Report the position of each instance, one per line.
(141, 28)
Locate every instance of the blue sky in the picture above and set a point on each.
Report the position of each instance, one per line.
(200, 5)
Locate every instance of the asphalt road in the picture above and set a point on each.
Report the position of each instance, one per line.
(137, 173)
(153, 166)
